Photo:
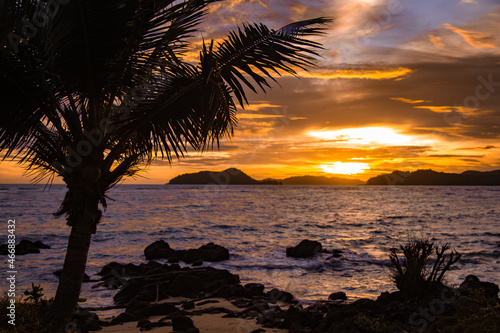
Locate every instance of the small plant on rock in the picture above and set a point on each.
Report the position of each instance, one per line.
(422, 267)
(35, 294)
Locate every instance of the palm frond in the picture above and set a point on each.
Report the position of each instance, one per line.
(256, 53)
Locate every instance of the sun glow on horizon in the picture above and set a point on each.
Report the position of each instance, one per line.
(367, 136)
(345, 168)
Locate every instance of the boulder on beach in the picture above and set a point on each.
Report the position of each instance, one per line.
(24, 247)
(172, 281)
(305, 249)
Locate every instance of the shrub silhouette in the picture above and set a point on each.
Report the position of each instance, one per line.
(417, 272)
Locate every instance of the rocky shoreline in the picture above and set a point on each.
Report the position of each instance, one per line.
(168, 295)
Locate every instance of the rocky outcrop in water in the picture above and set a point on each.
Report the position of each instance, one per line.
(209, 252)
(24, 247)
(305, 249)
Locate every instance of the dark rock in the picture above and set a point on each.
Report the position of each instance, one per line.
(197, 263)
(192, 255)
(109, 268)
(132, 288)
(24, 247)
(58, 273)
(472, 282)
(186, 285)
(144, 324)
(296, 318)
(209, 252)
(238, 290)
(278, 295)
(386, 297)
(253, 290)
(174, 267)
(161, 309)
(192, 330)
(304, 249)
(173, 260)
(165, 281)
(223, 292)
(40, 245)
(188, 305)
(337, 296)
(137, 308)
(208, 301)
(182, 323)
(242, 303)
(123, 318)
(158, 250)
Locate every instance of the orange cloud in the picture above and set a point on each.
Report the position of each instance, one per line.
(477, 40)
(409, 101)
(446, 109)
(436, 40)
(369, 74)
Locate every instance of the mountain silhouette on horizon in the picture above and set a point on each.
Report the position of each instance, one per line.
(233, 176)
(431, 177)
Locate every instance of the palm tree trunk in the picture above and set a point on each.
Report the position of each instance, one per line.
(83, 220)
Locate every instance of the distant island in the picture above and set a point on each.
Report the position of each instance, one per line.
(233, 176)
(430, 177)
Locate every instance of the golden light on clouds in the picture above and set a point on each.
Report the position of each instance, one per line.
(409, 101)
(477, 40)
(369, 74)
(436, 40)
(367, 136)
(345, 168)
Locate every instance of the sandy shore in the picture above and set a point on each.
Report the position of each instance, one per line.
(204, 322)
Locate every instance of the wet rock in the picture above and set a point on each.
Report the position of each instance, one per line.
(123, 318)
(158, 250)
(161, 283)
(278, 295)
(182, 323)
(304, 249)
(337, 296)
(24, 247)
(173, 260)
(297, 318)
(161, 309)
(208, 301)
(186, 285)
(188, 305)
(210, 252)
(253, 290)
(223, 292)
(197, 263)
(58, 273)
(131, 289)
(144, 324)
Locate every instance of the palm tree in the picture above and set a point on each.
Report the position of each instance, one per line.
(93, 91)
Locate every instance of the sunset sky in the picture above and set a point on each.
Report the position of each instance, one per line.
(401, 85)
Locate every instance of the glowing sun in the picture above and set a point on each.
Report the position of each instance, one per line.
(345, 168)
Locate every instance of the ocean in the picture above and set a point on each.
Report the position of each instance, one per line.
(257, 223)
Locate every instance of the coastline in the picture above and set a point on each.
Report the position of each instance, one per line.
(168, 297)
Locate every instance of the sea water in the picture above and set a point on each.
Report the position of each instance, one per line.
(257, 223)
